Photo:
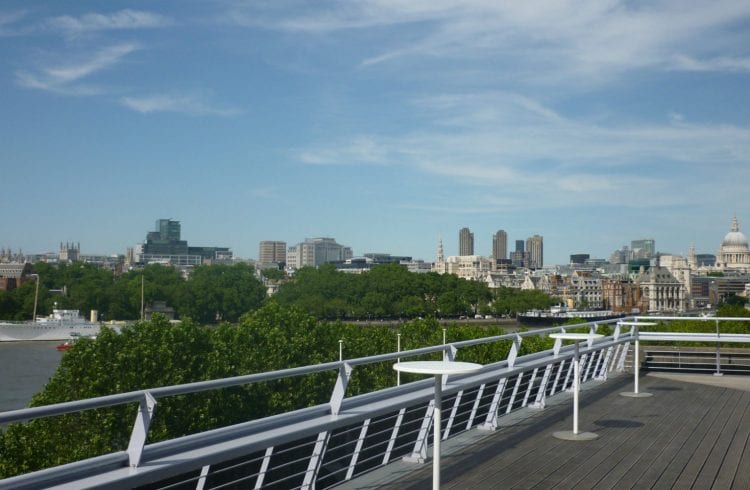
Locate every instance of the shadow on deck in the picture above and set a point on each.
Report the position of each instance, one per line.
(688, 435)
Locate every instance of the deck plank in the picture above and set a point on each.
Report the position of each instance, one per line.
(686, 435)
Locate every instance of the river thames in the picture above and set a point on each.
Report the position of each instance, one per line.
(25, 367)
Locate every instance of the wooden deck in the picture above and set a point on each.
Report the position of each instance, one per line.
(688, 435)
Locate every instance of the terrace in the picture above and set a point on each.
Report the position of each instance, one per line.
(498, 426)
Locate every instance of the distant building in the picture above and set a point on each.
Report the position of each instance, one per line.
(734, 254)
(271, 252)
(164, 246)
(535, 249)
(315, 252)
(579, 259)
(518, 257)
(13, 274)
(465, 242)
(473, 267)
(500, 245)
(643, 249)
(705, 260)
(69, 252)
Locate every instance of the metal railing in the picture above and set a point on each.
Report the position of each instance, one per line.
(323, 445)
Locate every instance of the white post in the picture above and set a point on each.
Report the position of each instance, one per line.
(444, 354)
(636, 356)
(576, 381)
(398, 359)
(718, 353)
(438, 432)
(341, 350)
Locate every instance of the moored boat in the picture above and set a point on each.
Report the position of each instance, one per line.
(558, 315)
(60, 325)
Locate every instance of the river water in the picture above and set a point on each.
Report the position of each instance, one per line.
(25, 367)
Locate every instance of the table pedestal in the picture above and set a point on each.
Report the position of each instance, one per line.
(575, 434)
(437, 369)
(636, 365)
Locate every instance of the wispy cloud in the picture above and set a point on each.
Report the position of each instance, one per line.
(9, 23)
(192, 104)
(521, 147)
(67, 78)
(588, 42)
(93, 22)
(725, 64)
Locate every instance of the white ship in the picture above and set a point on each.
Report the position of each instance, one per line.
(60, 325)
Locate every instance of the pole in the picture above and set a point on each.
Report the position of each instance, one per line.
(398, 359)
(576, 373)
(637, 361)
(341, 350)
(718, 352)
(36, 295)
(143, 314)
(438, 432)
(444, 353)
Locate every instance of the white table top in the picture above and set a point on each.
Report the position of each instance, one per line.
(437, 367)
(640, 324)
(575, 336)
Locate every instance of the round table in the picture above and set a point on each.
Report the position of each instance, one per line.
(636, 363)
(437, 369)
(575, 435)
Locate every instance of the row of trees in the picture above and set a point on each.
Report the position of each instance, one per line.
(211, 293)
(223, 293)
(390, 291)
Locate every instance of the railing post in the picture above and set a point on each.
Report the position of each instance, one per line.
(339, 390)
(718, 351)
(202, 479)
(394, 435)
(138, 436)
(357, 449)
(419, 452)
(316, 459)
(263, 468)
(491, 422)
(529, 387)
(454, 410)
(475, 406)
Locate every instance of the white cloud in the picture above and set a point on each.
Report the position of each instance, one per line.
(520, 147)
(541, 41)
(724, 64)
(8, 21)
(92, 22)
(192, 104)
(64, 78)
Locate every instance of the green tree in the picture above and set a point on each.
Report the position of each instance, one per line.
(218, 293)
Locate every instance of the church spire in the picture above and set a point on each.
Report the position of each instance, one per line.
(735, 225)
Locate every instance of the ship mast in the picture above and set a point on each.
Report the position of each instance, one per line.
(36, 296)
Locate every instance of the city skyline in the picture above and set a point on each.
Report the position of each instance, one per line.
(387, 125)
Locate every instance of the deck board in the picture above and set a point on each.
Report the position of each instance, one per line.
(686, 435)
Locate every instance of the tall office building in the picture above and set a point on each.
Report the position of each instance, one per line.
(518, 257)
(272, 252)
(465, 242)
(316, 251)
(500, 245)
(643, 249)
(535, 251)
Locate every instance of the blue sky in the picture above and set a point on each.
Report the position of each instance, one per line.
(386, 124)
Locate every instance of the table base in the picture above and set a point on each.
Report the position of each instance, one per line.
(569, 435)
(633, 394)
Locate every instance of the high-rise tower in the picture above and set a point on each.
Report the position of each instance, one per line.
(465, 242)
(500, 245)
(535, 250)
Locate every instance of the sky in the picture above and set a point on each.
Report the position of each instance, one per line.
(386, 124)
